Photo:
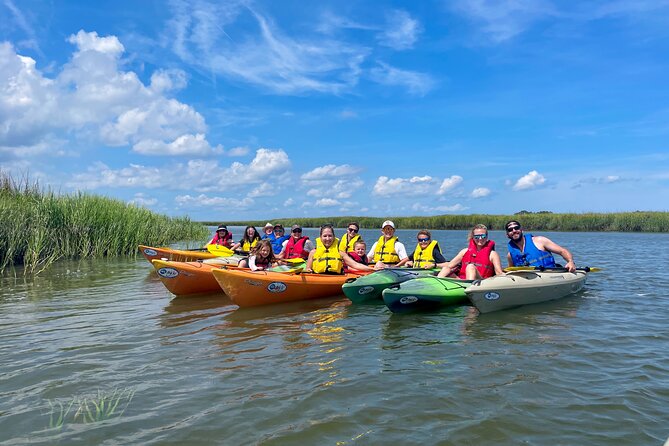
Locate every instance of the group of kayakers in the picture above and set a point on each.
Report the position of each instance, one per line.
(330, 255)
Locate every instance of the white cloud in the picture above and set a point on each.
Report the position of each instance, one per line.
(326, 202)
(203, 200)
(93, 100)
(142, 200)
(288, 202)
(480, 192)
(419, 207)
(418, 84)
(502, 21)
(403, 186)
(329, 171)
(401, 31)
(263, 190)
(238, 151)
(265, 165)
(530, 181)
(449, 183)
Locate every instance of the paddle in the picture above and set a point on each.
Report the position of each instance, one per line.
(220, 250)
(587, 269)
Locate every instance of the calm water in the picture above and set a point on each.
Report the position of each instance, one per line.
(592, 369)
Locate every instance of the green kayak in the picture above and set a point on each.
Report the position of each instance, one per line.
(425, 293)
(369, 288)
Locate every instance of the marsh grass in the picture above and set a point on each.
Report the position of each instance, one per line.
(102, 406)
(38, 227)
(541, 221)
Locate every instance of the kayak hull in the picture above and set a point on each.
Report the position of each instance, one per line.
(253, 288)
(178, 255)
(518, 288)
(184, 278)
(369, 288)
(425, 293)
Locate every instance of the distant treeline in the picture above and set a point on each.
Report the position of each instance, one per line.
(540, 221)
(38, 227)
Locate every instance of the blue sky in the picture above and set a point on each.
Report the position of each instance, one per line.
(251, 110)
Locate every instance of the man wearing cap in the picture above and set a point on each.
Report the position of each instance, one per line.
(296, 246)
(268, 230)
(222, 237)
(529, 250)
(277, 237)
(387, 250)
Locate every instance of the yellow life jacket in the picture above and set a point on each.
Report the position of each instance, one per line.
(347, 245)
(246, 246)
(327, 260)
(385, 250)
(423, 256)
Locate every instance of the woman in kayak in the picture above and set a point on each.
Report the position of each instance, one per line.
(222, 237)
(427, 253)
(327, 259)
(349, 239)
(387, 250)
(261, 258)
(250, 240)
(297, 246)
(479, 260)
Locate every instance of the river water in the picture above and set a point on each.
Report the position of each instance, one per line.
(591, 369)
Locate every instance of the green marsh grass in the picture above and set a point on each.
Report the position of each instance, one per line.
(102, 406)
(38, 227)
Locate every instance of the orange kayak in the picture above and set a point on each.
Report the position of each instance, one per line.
(178, 255)
(182, 278)
(252, 288)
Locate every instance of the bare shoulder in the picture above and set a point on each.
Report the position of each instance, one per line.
(540, 241)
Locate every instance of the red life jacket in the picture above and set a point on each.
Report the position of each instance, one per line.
(226, 240)
(295, 249)
(481, 259)
(262, 263)
(360, 259)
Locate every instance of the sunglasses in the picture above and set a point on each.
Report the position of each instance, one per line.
(423, 240)
(353, 230)
(513, 228)
(480, 236)
(295, 231)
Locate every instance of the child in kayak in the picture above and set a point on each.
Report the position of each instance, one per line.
(358, 254)
(261, 258)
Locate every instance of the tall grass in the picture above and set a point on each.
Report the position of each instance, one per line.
(542, 221)
(38, 227)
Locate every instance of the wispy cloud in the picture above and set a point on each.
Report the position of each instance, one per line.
(418, 84)
(449, 184)
(401, 30)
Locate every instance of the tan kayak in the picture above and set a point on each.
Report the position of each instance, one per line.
(518, 288)
(178, 255)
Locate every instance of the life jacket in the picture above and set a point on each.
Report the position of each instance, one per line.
(246, 246)
(360, 259)
(480, 259)
(385, 250)
(295, 249)
(277, 242)
(262, 263)
(347, 244)
(424, 256)
(226, 240)
(327, 260)
(532, 256)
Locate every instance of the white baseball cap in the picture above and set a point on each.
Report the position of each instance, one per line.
(269, 225)
(388, 223)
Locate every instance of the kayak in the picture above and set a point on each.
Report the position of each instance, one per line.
(252, 288)
(369, 288)
(178, 255)
(425, 293)
(183, 278)
(517, 288)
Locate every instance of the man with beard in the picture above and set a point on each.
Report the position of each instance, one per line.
(529, 250)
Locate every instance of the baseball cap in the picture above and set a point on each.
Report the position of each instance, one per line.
(295, 227)
(388, 223)
(269, 225)
(221, 228)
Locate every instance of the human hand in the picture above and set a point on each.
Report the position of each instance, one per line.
(571, 266)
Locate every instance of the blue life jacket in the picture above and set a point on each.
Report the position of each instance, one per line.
(532, 256)
(277, 242)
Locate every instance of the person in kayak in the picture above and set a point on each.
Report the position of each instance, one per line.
(387, 250)
(222, 237)
(250, 240)
(296, 246)
(261, 258)
(427, 253)
(277, 238)
(326, 258)
(348, 240)
(479, 260)
(537, 250)
(268, 231)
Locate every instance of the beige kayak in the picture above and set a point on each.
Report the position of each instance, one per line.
(518, 288)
